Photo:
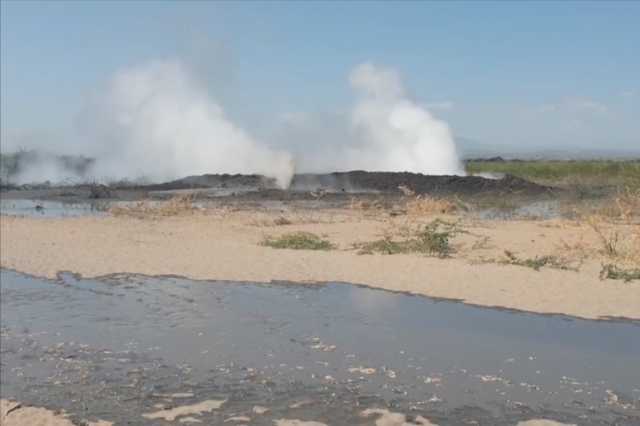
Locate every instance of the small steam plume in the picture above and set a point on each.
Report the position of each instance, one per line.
(157, 122)
(397, 134)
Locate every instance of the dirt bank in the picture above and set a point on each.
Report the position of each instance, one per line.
(226, 245)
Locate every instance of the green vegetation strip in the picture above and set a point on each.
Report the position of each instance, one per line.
(537, 262)
(603, 171)
(614, 272)
(298, 241)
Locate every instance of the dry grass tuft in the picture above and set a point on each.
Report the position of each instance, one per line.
(620, 243)
(622, 207)
(617, 228)
(423, 205)
(179, 205)
(365, 205)
(627, 203)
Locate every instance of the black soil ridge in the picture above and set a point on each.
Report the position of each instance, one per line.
(360, 180)
(336, 182)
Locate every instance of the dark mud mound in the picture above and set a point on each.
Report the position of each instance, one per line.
(362, 181)
(235, 181)
(421, 184)
(303, 186)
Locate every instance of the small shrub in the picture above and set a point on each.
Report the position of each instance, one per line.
(609, 241)
(537, 262)
(281, 221)
(432, 239)
(627, 203)
(615, 272)
(298, 241)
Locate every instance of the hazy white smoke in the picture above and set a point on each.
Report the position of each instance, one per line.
(383, 131)
(396, 134)
(155, 121)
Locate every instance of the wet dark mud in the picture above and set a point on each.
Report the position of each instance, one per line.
(124, 346)
(307, 191)
(261, 187)
(51, 209)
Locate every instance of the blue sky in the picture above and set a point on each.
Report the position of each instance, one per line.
(517, 76)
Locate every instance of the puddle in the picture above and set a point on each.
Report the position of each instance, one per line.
(51, 209)
(128, 346)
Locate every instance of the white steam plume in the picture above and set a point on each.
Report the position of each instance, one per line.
(397, 134)
(383, 131)
(155, 121)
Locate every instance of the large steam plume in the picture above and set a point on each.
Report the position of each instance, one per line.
(156, 121)
(397, 134)
(384, 131)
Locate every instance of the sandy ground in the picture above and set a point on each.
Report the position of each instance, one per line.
(13, 413)
(225, 245)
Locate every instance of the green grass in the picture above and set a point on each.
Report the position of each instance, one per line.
(432, 239)
(615, 272)
(604, 172)
(536, 262)
(298, 241)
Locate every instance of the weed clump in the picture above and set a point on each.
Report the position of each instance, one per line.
(432, 239)
(537, 262)
(614, 272)
(385, 246)
(146, 209)
(298, 241)
(281, 221)
(619, 245)
(421, 205)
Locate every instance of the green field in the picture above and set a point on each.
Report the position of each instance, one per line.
(587, 172)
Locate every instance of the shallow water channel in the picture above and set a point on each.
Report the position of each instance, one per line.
(51, 209)
(126, 345)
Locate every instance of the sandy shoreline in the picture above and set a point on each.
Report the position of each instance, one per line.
(13, 413)
(226, 246)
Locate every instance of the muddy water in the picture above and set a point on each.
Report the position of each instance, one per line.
(126, 346)
(51, 209)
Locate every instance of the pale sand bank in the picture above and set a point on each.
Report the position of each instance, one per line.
(226, 246)
(173, 413)
(13, 413)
